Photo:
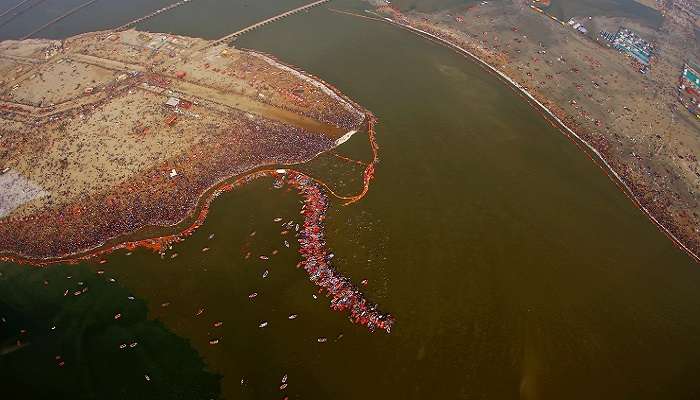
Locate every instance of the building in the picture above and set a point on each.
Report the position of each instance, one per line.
(689, 88)
(172, 102)
(578, 26)
(628, 42)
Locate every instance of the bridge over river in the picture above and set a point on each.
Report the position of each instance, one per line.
(267, 21)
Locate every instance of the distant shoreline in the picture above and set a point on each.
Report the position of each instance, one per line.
(549, 114)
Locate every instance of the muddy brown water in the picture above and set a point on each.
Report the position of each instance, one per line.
(562, 9)
(514, 266)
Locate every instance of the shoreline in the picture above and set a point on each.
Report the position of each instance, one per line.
(316, 257)
(200, 209)
(161, 243)
(206, 197)
(555, 120)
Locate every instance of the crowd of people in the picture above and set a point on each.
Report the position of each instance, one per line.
(316, 260)
(293, 89)
(153, 198)
(238, 142)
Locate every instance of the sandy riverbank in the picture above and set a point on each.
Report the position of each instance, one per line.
(111, 159)
(196, 218)
(681, 226)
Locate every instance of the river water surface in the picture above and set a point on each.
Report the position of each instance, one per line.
(515, 268)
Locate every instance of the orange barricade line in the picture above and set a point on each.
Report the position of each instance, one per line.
(160, 244)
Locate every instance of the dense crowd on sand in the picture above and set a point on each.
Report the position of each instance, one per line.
(316, 260)
(162, 184)
(272, 82)
(154, 197)
(321, 106)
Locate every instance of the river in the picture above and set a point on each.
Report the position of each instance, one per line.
(514, 266)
